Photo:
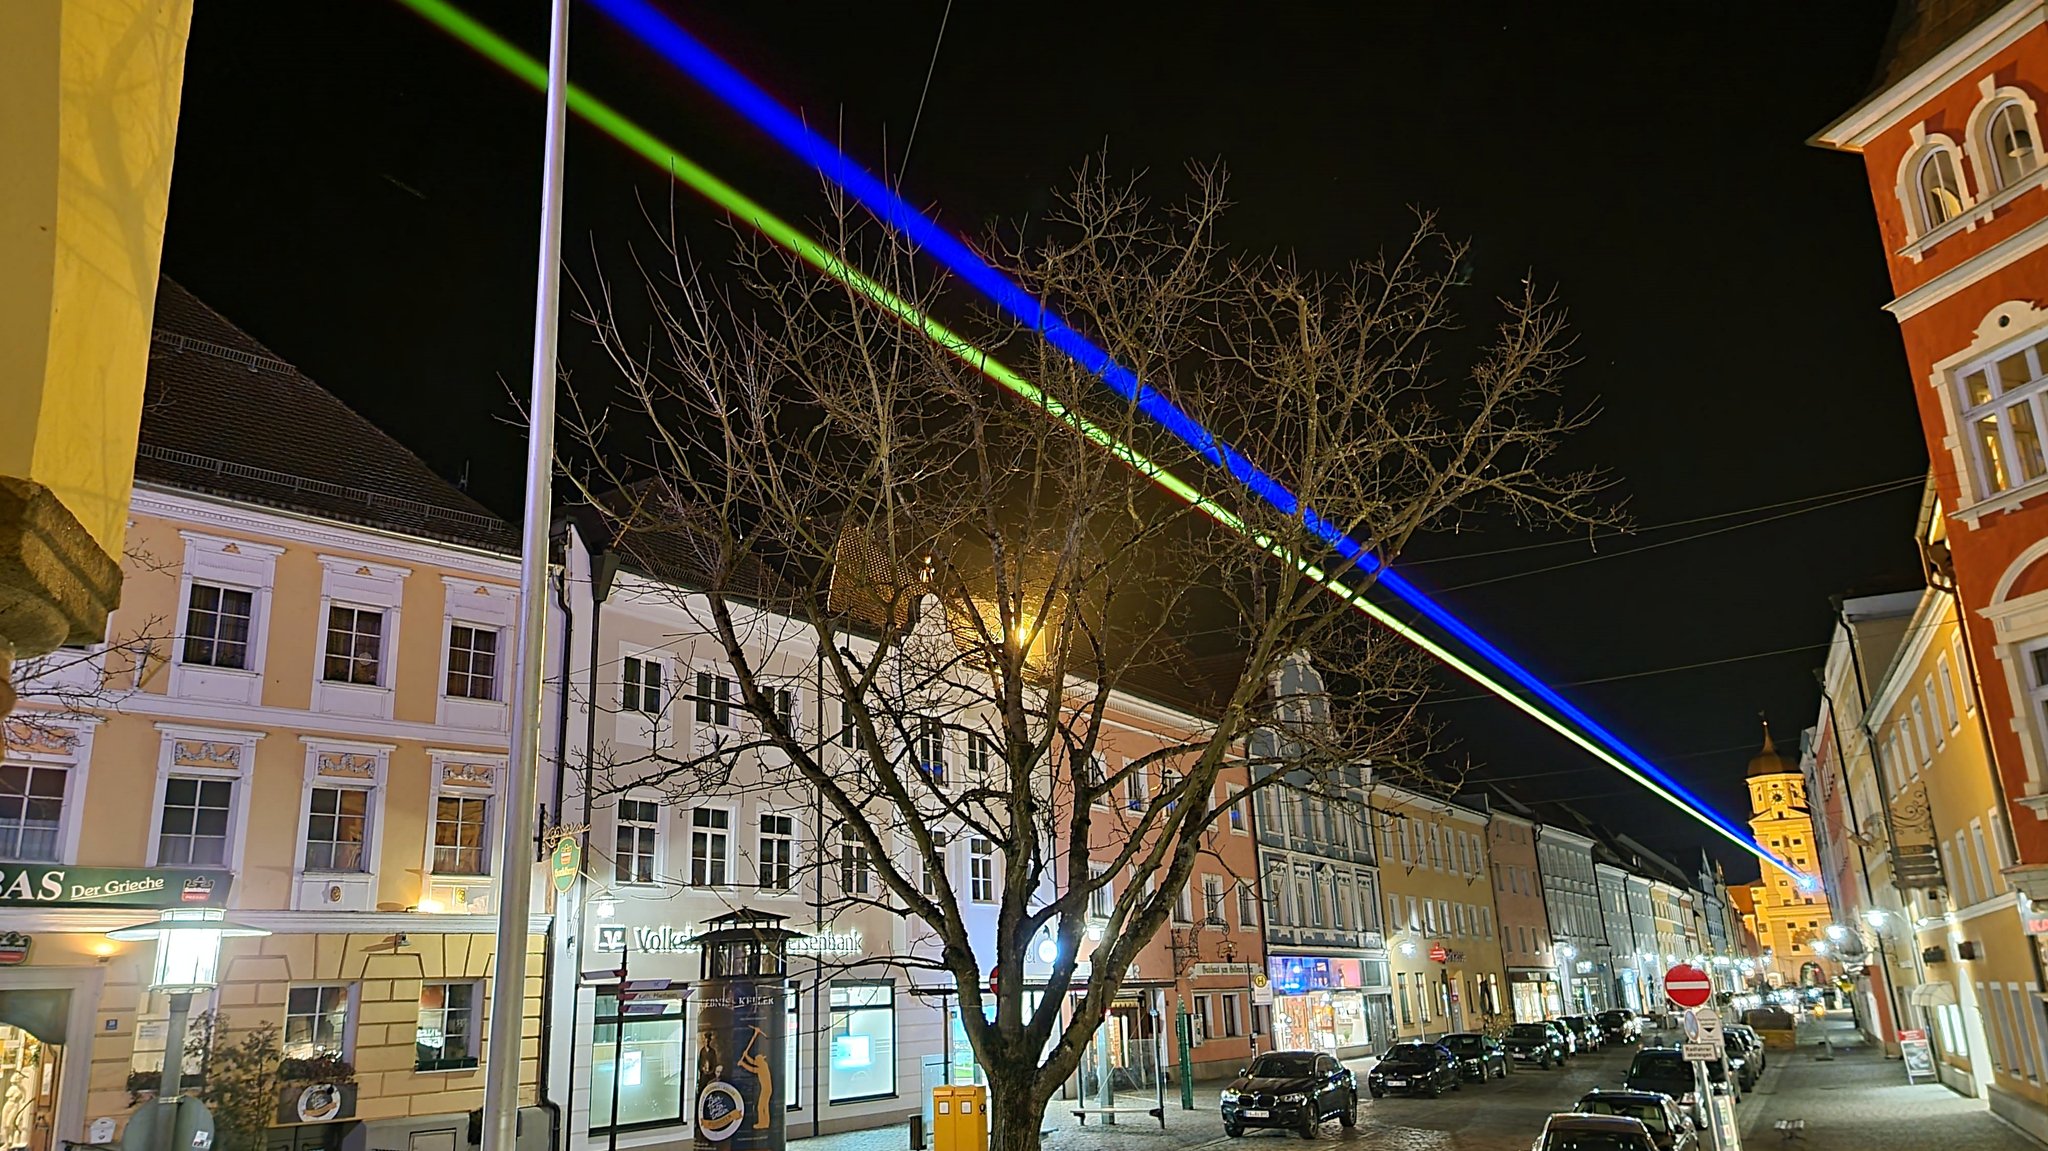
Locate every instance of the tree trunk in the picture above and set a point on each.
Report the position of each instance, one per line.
(1016, 1109)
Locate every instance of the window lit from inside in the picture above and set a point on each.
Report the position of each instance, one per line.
(316, 1022)
(445, 1037)
(647, 1060)
(31, 811)
(2000, 399)
(1941, 196)
(459, 835)
(863, 1031)
(2011, 144)
(217, 627)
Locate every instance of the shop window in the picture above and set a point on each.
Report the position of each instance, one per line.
(316, 1021)
(863, 1041)
(445, 1038)
(647, 1060)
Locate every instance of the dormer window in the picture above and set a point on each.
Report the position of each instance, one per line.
(2009, 140)
(1941, 191)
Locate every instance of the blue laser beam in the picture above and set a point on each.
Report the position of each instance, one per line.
(704, 66)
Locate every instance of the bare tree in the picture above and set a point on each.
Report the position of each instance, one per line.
(997, 566)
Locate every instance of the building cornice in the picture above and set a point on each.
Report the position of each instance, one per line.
(1885, 108)
(2024, 242)
(254, 519)
(313, 726)
(99, 920)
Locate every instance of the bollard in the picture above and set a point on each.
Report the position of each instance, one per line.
(1827, 1048)
(917, 1131)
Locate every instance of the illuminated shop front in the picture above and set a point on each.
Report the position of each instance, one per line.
(1536, 993)
(1326, 1003)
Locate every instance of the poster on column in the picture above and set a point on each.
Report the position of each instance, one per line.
(740, 1053)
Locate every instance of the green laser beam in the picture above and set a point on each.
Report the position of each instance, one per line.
(608, 120)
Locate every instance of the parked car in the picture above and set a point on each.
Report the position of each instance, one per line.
(1537, 1043)
(1293, 1090)
(1415, 1068)
(1479, 1056)
(1671, 1129)
(1575, 1132)
(1664, 1070)
(1584, 1030)
(1757, 1054)
(1745, 1058)
(1621, 1025)
(1571, 1042)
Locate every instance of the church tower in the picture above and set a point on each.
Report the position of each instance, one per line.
(1792, 911)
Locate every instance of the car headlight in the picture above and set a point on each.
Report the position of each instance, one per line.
(1296, 1099)
(1229, 1096)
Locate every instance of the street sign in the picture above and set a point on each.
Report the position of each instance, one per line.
(1262, 990)
(1703, 1026)
(1687, 986)
(1438, 953)
(1700, 1052)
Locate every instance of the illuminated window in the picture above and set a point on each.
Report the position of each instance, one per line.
(355, 644)
(445, 1036)
(2000, 402)
(316, 1022)
(2009, 138)
(1941, 192)
(473, 662)
(863, 1031)
(460, 826)
(337, 826)
(217, 626)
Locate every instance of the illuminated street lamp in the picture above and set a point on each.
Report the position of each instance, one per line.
(187, 962)
(1838, 933)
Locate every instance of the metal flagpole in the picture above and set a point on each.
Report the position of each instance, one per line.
(518, 825)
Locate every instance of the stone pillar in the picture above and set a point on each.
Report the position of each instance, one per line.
(91, 89)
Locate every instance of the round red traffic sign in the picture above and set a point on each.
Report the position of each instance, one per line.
(1688, 986)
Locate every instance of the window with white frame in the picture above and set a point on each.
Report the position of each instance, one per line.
(1962, 666)
(316, 1021)
(714, 699)
(981, 870)
(710, 846)
(1934, 723)
(193, 828)
(2009, 140)
(354, 652)
(217, 621)
(461, 834)
(980, 757)
(775, 851)
(855, 871)
(1184, 904)
(472, 662)
(638, 832)
(849, 725)
(1247, 906)
(1212, 901)
(32, 811)
(930, 749)
(1240, 817)
(641, 686)
(445, 1037)
(1938, 188)
(1944, 677)
(1101, 899)
(935, 866)
(2000, 399)
(784, 701)
(1921, 743)
(1134, 787)
(337, 829)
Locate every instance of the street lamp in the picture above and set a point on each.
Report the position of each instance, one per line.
(187, 962)
(1838, 933)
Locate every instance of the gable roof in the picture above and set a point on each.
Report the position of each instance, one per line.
(225, 416)
(1920, 29)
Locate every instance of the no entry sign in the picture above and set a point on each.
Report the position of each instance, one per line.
(1688, 986)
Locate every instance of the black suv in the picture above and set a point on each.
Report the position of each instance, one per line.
(1479, 1056)
(1414, 1068)
(1537, 1043)
(1295, 1090)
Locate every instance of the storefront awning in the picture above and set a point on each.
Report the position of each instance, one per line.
(1940, 993)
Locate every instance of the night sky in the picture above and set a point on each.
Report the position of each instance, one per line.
(362, 195)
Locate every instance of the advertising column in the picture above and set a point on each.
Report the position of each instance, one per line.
(742, 1002)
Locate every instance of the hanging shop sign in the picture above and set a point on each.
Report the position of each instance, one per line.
(2033, 917)
(14, 949)
(565, 863)
(667, 939)
(54, 885)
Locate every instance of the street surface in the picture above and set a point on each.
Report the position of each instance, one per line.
(1859, 1101)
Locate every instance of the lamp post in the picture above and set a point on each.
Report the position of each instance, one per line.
(187, 962)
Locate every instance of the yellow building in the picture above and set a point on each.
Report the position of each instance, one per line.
(1977, 992)
(1791, 910)
(297, 714)
(91, 89)
(1443, 937)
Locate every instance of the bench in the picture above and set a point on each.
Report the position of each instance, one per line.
(1790, 1129)
(1159, 1113)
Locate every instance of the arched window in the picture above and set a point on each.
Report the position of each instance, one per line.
(1941, 191)
(2009, 141)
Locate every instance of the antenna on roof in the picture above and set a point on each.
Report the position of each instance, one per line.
(462, 481)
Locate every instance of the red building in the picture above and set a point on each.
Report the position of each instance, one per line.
(1950, 138)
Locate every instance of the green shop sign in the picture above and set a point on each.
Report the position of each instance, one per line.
(52, 885)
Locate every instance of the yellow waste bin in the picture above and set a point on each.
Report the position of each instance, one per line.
(959, 1119)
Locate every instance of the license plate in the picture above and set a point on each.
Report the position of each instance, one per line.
(1397, 1083)
(1257, 1113)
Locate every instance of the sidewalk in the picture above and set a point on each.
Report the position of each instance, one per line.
(1138, 1132)
(1860, 1101)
